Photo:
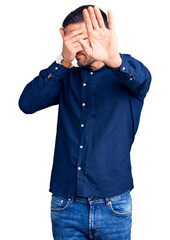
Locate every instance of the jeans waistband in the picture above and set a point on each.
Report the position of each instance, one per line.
(98, 199)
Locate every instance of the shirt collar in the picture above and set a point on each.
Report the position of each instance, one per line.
(91, 70)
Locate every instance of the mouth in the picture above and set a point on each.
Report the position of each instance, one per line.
(79, 55)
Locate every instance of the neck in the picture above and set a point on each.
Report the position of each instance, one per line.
(96, 65)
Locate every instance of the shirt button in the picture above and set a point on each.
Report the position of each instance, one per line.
(130, 78)
(81, 146)
(84, 84)
(56, 68)
(123, 68)
(82, 125)
(91, 73)
(83, 104)
(79, 168)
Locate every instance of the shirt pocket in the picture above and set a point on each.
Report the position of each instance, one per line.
(122, 206)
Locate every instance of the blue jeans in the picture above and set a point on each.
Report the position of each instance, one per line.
(78, 218)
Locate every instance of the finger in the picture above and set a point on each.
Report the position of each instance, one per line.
(78, 43)
(110, 20)
(87, 21)
(82, 36)
(78, 48)
(87, 49)
(99, 17)
(93, 17)
(75, 44)
(73, 33)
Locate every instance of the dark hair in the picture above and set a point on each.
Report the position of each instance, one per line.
(77, 16)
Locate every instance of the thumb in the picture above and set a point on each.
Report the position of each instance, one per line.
(62, 32)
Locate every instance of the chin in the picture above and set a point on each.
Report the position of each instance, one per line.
(80, 64)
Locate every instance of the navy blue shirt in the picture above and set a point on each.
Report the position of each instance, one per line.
(98, 117)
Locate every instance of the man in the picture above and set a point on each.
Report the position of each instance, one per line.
(100, 102)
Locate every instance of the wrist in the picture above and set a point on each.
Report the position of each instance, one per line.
(114, 62)
(65, 58)
(66, 63)
(62, 61)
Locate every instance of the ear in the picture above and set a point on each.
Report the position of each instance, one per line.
(62, 32)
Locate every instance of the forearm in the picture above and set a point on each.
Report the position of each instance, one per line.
(134, 75)
(43, 90)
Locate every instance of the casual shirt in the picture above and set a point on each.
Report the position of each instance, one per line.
(98, 117)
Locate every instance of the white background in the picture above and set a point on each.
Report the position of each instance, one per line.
(30, 41)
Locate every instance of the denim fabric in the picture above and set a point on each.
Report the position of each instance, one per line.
(77, 218)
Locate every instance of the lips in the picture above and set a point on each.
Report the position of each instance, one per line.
(78, 55)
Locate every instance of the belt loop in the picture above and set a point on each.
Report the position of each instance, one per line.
(107, 201)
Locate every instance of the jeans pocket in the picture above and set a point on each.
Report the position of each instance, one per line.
(59, 203)
(122, 206)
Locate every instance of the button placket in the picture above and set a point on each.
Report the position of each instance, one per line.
(82, 144)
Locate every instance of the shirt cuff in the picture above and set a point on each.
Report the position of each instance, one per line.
(54, 69)
(126, 67)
